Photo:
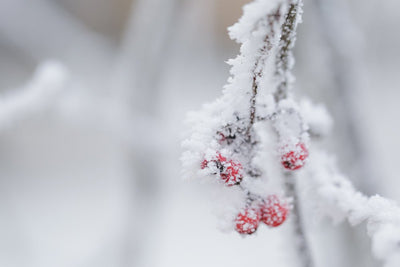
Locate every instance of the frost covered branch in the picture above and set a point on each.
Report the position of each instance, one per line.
(232, 145)
(338, 199)
(254, 138)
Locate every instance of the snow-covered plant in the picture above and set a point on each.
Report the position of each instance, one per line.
(254, 141)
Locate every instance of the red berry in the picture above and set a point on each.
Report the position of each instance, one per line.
(230, 171)
(204, 164)
(296, 158)
(274, 211)
(247, 221)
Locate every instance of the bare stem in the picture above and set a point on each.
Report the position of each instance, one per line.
(301, 240)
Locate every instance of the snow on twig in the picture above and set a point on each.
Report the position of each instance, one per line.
(338, 199)
(237, 140)
(257, 92)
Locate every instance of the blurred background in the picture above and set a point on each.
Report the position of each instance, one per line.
(90, 172)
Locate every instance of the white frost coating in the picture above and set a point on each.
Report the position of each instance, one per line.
(338, 199)
(48, 80)
(253, 143)
(237, 93)
(226, 127)
(316, 117)
(252, 14)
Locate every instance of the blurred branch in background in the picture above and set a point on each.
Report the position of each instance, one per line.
(141, 58)
(43, 30)
(135, 83)
(49, 80)
(345, 51)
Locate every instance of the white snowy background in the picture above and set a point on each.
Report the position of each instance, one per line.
(93, 100)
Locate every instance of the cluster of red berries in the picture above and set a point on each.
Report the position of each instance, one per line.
(272, 211)
(230, 171)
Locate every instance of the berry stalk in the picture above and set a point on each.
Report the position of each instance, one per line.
(300, 235)
(284, 66)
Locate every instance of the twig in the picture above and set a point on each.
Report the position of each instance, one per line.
(283, 66)
(283, 73)
(302, 243)
(259, 65)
